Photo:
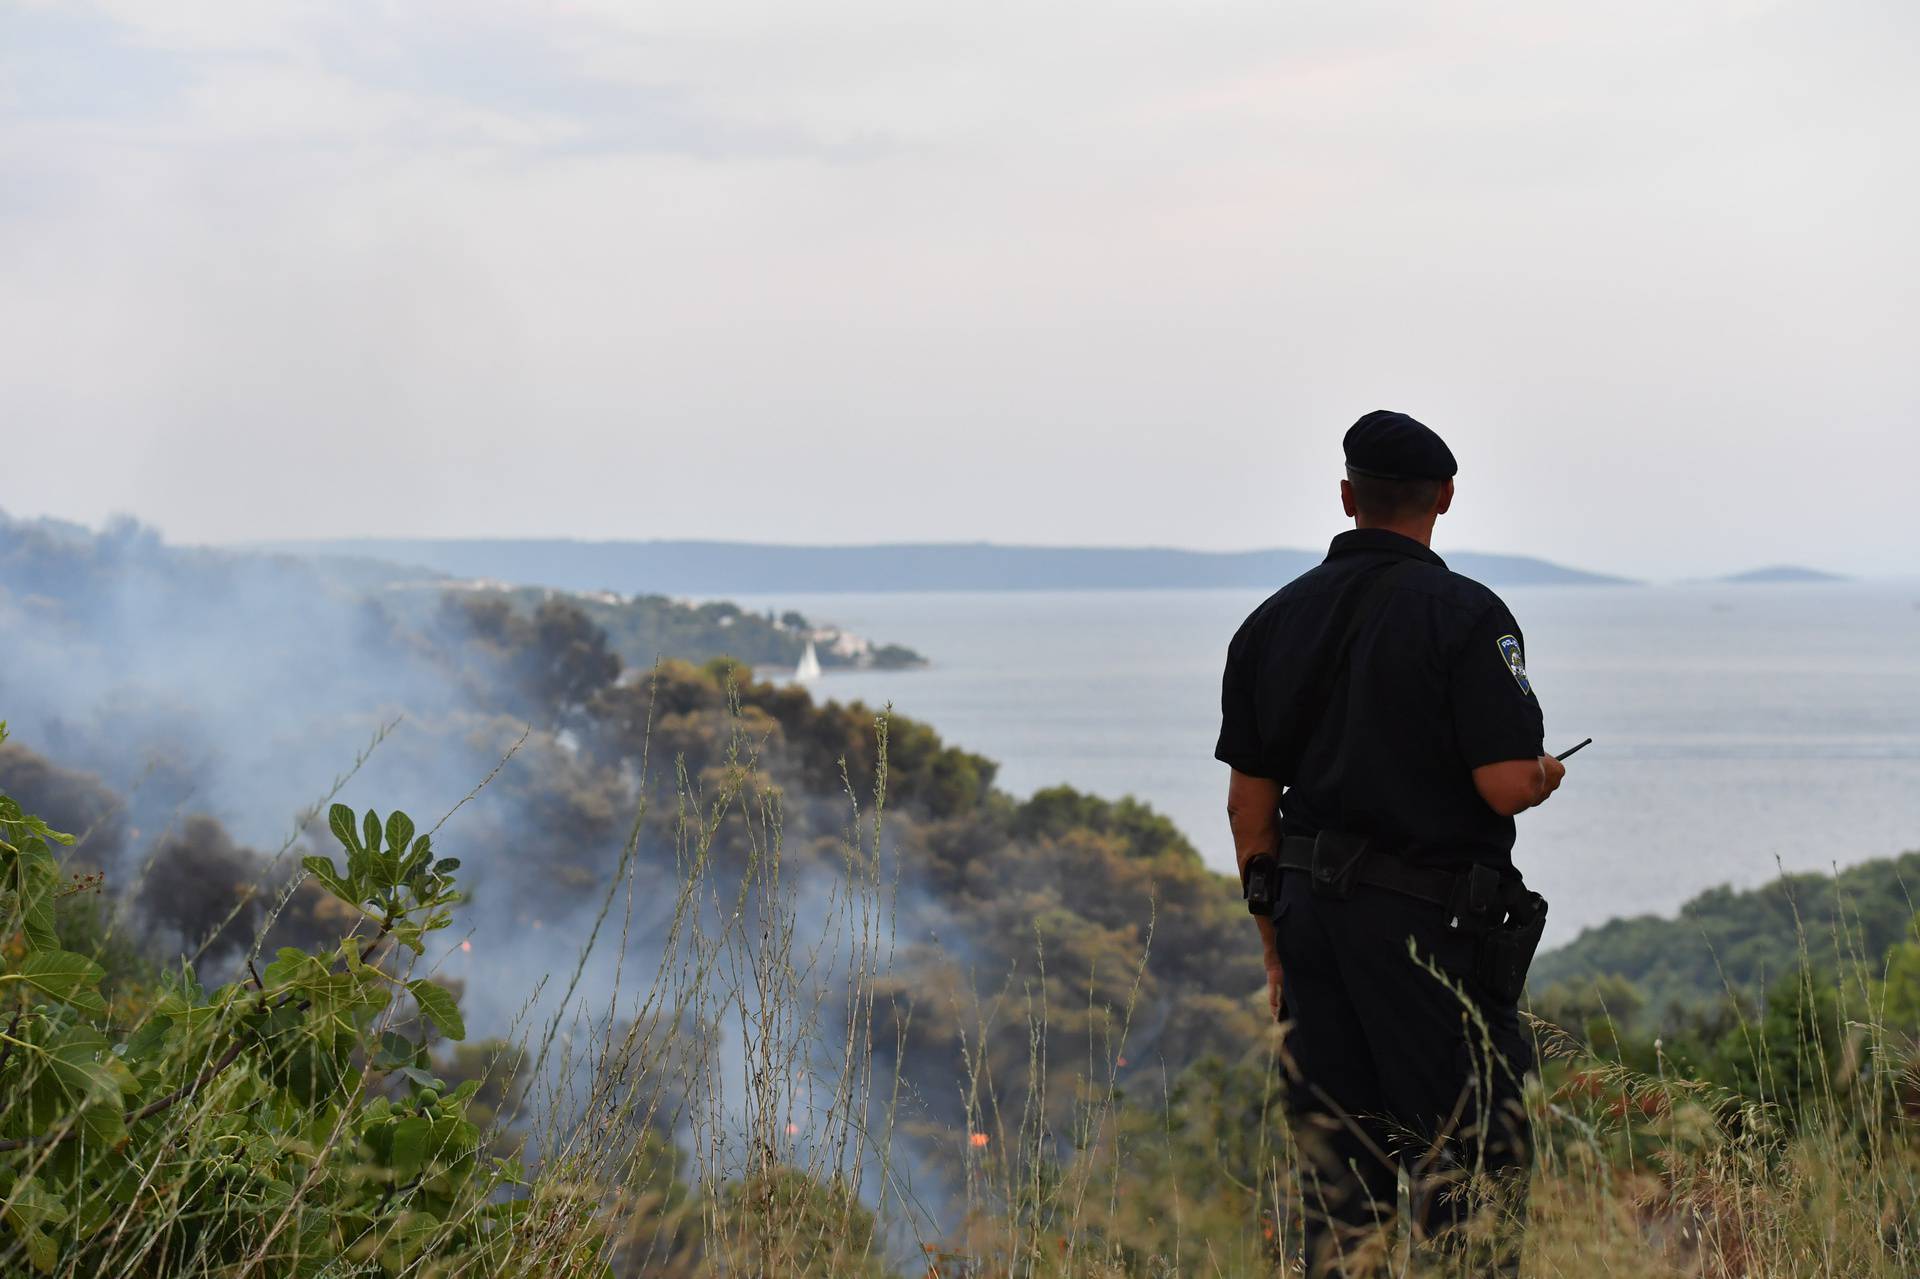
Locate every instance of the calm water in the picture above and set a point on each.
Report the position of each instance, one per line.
(1737, 729)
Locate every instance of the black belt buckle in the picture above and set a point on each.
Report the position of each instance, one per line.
(1337, 858)
(1476, 897)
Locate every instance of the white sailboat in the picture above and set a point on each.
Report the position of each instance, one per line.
(809, 667)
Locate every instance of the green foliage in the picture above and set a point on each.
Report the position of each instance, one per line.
(1901, 986)
(1794, 1056)
(241, 1129)
(1058, 811)
(401, 887)
(1594, 1009)
(1747, 940)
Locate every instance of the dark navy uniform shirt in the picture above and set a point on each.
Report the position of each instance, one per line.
(1435, 686)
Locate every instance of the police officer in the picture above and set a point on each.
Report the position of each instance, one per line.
(1382, 734)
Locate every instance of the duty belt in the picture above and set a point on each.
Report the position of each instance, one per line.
(1335, 862)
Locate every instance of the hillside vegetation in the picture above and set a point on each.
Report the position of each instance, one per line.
(641, 628)
(311, 1111)
(1737, 943)
(713, 979)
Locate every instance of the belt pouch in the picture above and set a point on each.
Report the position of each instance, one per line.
(1476, 898)
(1336, 864)
(1506, 950)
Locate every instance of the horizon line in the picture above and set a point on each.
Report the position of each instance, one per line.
(990, 544)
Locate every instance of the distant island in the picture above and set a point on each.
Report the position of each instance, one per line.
(686, 568)
(1783, 573)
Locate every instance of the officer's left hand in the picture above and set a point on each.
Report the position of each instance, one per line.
(1552, 773)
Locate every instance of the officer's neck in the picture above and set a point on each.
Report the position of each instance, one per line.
(1420, 530)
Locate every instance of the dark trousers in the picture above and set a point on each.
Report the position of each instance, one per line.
(1389, 1070)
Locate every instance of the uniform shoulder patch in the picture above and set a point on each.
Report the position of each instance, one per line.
(1516, 663)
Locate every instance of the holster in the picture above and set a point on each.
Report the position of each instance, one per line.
(1260, 885)
(1505, 951)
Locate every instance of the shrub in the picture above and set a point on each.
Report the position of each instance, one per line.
(272, 1126)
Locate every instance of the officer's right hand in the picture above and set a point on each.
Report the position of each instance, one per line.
(1274, 982)
(1552, 772)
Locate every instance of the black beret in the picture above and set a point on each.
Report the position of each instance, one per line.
(1392, 446)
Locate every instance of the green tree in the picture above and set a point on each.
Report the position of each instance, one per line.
(1902, 988)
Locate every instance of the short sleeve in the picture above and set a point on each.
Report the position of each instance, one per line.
(1239, 746)
(1496, 716)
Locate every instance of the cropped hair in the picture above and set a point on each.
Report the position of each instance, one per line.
(1383, 500)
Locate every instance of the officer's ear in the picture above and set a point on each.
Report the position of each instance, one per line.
(1446, 498)
(1346, 499)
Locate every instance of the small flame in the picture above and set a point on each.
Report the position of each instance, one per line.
(976, 1139)
(793, 1130)
(1123, 1061)
(466, 947)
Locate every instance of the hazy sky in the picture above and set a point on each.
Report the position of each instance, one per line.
(865, 270)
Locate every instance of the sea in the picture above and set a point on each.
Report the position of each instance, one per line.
(1739, 730)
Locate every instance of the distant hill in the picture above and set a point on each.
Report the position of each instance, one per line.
(1783, 573)
(743, 568)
